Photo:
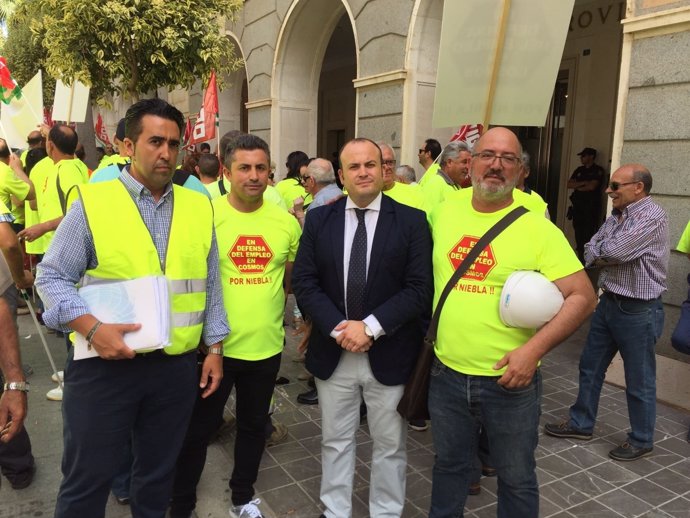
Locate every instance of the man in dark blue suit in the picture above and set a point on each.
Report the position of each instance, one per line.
(363, 276)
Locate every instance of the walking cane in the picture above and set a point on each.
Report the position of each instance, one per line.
(25, 296)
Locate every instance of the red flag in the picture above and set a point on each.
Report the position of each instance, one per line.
(101, 132)
(9, 89)
(186, 139)
(468, 133)
(205, 125)
(48, 116)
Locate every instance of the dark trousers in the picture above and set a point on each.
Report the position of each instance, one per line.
(586, 222)
(15, 456)
(253, 382)
(147, 400)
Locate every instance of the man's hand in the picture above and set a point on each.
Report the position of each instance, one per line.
(15, 162)
(108, 340)
(522, 364)
(211, 374)
(26, 281)
(33, 232)
(352, 336)
(12, 414)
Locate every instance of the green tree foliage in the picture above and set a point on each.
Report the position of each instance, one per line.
(132, 47)
(25, 55)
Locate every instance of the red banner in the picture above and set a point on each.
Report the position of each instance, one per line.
(468, 133)
(101, 132)
(205, 125)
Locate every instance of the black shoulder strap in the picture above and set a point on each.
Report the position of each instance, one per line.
(221, 187)
(489, 236)
(180, 177)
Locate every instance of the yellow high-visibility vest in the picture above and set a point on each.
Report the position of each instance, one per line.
(125, 250)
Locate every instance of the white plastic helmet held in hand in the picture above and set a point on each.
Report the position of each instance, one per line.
(529, 300)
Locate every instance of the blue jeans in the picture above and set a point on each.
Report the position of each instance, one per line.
(459, 405)
(631, 327)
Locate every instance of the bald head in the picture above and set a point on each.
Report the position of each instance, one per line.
(34, 139)
(629, 184)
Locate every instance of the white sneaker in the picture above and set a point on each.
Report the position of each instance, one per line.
(55, 394)
(59, 377)
(248, 510)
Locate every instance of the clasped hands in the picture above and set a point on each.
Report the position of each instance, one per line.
(352, 337)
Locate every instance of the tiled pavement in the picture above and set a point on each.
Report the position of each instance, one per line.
(577, 479)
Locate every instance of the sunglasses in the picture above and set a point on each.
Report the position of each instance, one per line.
(614, 186)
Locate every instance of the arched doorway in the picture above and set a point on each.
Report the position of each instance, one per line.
(313, 104)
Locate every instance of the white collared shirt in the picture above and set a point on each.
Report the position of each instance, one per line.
(371, 218)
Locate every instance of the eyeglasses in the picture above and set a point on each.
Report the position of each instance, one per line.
(614, 186)
(389, 163)
(490, 156)
(304, 179)
(422, 150)
(271, 176)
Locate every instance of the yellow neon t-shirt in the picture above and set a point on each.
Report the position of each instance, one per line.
(428, 174)
(406, 194)
(69, 173)
(38, 177)
(435, 190)
(684, 241)
(289, 189)
(12, 185)
(471, 337)
(253, 249)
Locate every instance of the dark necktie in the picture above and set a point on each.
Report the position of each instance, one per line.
(357, 270)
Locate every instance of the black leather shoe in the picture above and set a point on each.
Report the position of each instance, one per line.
(311, 397)
(627, 452)
(24, 479)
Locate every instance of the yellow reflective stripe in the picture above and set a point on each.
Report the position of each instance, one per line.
(182, 286)
(187, 319)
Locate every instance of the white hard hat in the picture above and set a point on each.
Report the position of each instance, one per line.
(529, 300)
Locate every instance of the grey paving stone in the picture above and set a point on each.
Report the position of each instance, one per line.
(562, 494)
(592, 509)
(588, 483)
(624, 503)
(649, 492)
(678, 508)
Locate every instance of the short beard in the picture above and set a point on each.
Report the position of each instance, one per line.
(498, 193)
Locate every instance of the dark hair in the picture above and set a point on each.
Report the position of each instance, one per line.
(433, 146)
(295, 161)
(4, 149)
(156, 107)
(359, 140)
(80, 152)
(246, 142)
(64, 138)
(226, 143)
(34, 156)
(645, 177)
(209, 165)
(204, 145)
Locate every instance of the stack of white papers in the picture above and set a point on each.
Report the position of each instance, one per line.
(144, 301)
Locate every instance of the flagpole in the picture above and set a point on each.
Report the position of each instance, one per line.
(4, 135)
(71, 101)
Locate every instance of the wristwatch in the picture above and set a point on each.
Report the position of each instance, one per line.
(216, 349)
(22, 386)
(368, 331)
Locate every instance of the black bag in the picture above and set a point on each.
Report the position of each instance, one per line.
(680, 340)
(414, 402)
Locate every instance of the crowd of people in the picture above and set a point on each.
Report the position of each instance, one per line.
(367, 251)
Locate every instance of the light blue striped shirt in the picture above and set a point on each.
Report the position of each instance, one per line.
(72, 252)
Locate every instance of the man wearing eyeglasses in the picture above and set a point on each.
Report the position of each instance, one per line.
(400, 192)
(632, 249)
(487, 374)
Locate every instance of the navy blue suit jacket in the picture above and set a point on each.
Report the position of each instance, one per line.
(398, 293)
